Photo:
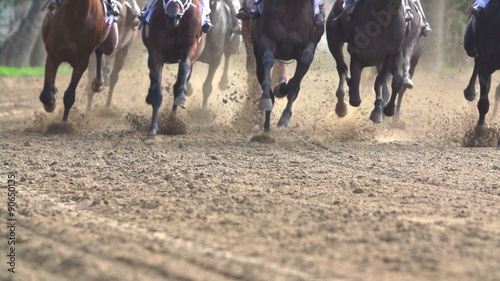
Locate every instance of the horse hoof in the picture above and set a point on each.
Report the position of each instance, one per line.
(49, 108)
(284, 122)
(389, 111)
(278, 91)
(180, 101)
(470, 95)
(408, 83)
(355, 101)
(266, 104)
(377, 117)
(341, 109)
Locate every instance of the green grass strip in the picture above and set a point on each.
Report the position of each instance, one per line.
(30, 71)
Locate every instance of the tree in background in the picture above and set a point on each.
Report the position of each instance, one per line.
(19, 48)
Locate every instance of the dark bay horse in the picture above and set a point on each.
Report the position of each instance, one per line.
(220, 41)
(484, 45)
(286, 31)
(127, 31)
(377, 34)
(71, 34)
(173, 35)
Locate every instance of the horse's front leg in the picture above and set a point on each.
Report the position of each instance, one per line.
(337, 51)
(180, 86)
(69, 94)
(155, 96)
(97, 82)
(266, 103)
(47, 96)
(470, 92)
(483, 105)
(377, 115)
(292, 88)
(497, 103)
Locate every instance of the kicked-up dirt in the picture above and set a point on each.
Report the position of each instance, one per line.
(330, 199)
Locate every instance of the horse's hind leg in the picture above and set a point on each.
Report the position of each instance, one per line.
(207, 85)
(470, 92)
(97, 82)
(69, 94)
(292, 88)
(47, 96)
(336, 50)
(119, 62)
(154, 97)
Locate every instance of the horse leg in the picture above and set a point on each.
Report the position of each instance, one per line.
(407, 82)
(96, 85)
(106, 69)
(395, 63)
(47, 96)
(118, 63)
(266, 103)
(224, 80)
(377, 115)
(154, 97)
(292, 88)
(483, 104)
(337, 51)
(207, 85)
(69, 94)
(180, 86)
(353, 83)
(497, 103)
(470, 92)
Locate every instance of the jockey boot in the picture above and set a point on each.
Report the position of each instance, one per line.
(476, 10)
(53, 5)
(112, 8)
(319, 18)
(426, 30)
(207, 25)
(407, 9)
(348, 6)
(244, 14)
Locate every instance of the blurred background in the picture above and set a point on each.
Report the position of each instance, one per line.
(21, 45)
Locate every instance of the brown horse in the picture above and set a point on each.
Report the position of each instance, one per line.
(286, 31)
(173, 35)
(71, 34)
(127, 31)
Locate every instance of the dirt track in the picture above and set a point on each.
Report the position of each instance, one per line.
(332, 199)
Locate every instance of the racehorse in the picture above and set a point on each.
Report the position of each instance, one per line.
(286, 31)
(173, 35)
(484, 45)
(377, 34)
(220, 41)
(127, 32)
(71, 34)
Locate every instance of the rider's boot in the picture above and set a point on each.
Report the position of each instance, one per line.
(207, 25)
(426, 30)
(407, 9)
(52, 6)
(112, 8)
(319, 18)
(254, 13)
(476, 10)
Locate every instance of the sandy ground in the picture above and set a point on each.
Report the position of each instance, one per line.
(332, 199)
